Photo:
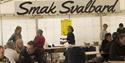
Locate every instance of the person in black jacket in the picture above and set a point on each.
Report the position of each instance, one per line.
(30, 54)
(117, 51)
(75, 55)
(121, 28)
(70, 35)
(105, 47)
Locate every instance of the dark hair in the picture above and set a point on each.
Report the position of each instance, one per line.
(115, 35)
(121, 35)
(105, 25)
(121, 25)
(18, 28)
(107, 34)
(1, 47)
(71, 28)
(31, 43)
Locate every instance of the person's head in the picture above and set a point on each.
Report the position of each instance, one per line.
(70, 29)
(31, 47)
(10, 45)
(108, 37)
(122, 38)
(39, 32)
(105, 26)
(115, 35)
(19, 43)
(18, 29)
(121, 25)
(1, 52)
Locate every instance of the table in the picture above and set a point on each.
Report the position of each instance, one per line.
(92, 53)
(50, 50)
(117, 61)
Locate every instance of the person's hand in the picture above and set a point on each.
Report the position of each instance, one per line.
(102, 52)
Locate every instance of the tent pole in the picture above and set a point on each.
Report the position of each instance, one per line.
(36, 23)
(101, 22)
(1, 23)
(1, 30)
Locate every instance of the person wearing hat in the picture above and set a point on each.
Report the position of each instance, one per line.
(39, 39)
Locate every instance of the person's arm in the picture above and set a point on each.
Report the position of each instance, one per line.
(12, 37)
(102, 48)
(114, 54)
(16, 56)
(118, 30)
(70, 37)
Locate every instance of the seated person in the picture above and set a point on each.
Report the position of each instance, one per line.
(19, 45)
(117, 51)
(11, 53)
(30, 54)
(105, 47)
(3, 59)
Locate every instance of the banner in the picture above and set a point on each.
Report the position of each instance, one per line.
(64, 26)
(66, 7)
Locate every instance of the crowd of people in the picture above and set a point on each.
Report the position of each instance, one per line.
(113, 45)
(15, 52)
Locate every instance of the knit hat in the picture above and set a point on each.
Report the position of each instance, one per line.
(40, 31)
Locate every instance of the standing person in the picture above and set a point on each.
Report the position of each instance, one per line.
(103, 32)
(105, 46)
(3, 59)
(70, 36)
(11, 53)
(121, 28)
(39, 39)
(16, 35)
(30, 54)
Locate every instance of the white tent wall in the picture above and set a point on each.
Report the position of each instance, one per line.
(87, 29)
(10, 23)
(113, 22)
(52, 29)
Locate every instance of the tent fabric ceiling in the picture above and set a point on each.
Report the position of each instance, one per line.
(8, 6)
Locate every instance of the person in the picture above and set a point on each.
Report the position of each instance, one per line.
(105, 46)
(75, 54)
(117, 51)
(19, 45)
(103, 32)
(30, 54)
(70, 36)
(115, 36)
(39, 39)
(11, 53)
(16, 35)
(3, 59)
(121, 28)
